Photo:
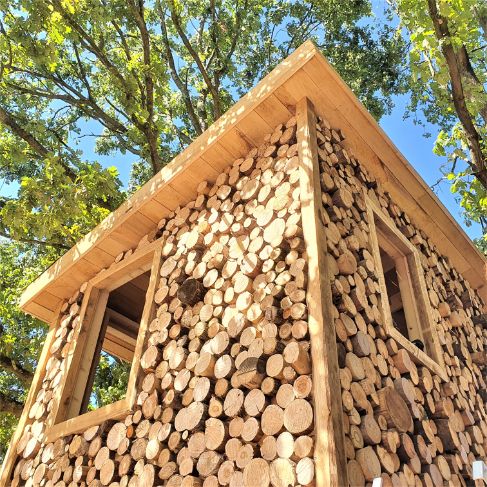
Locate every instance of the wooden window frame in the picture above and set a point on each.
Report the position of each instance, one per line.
(93, 307)
(414, 294)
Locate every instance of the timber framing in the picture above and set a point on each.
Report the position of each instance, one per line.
(272, 101)
(65, 415)
(421, 317)
(331, 464)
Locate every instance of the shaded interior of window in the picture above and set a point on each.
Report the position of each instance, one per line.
(115, 347)
(394, 292)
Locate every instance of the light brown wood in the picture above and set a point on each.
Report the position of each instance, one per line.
(226, 377)
(120, 408)
(413, 286)
(9, 459)
(329, 450)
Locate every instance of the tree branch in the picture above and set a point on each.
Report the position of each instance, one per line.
(9, 405)
(175, 76)
(474, 140)
(149, 129)
(34, 241)
(9, 121)
(214, 92)
(89, 43)
(12, 366)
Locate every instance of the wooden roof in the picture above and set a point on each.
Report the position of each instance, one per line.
(304, 73)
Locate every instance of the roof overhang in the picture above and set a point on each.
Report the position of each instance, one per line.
(304, 73)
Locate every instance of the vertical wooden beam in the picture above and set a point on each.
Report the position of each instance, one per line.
(11, 455)
(330, 460)
(147, 315)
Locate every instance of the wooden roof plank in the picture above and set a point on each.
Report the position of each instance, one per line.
(273, 111)
(271, 102)
(153, 210)
(367, 129)
(255, 128)
(218, 158)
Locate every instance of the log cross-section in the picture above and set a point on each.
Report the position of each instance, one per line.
(331, 469)
(10, 457)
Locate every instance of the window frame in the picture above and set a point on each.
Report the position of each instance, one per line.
(414, 293)
(73, 385)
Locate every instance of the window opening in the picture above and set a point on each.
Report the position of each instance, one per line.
(115, 347)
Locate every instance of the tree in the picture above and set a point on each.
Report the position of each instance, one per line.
(21, 336)
(449, 79)
(150, 76)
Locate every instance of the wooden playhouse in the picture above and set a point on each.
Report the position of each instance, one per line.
(297, 306)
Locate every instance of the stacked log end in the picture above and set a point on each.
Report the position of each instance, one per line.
(402, 422)
(226, 394)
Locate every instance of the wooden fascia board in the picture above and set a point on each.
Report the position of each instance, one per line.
(420, 195)
(169, 173)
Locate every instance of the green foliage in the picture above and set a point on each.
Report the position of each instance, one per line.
(111, 381)
(21, 336)
(431, 87)
(8, 422)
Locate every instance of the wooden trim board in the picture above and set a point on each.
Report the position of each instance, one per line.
(330, 460)
(11, 454)
(65, 417)
(418, 293)
(79, 424)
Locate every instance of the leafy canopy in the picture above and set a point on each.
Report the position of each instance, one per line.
(449, 77)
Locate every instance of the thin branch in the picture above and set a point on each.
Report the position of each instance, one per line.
(9, 121)
(183, 88)
(149, 128)
(214, 92)
(34, 241)
(15, 368)
(9, 405)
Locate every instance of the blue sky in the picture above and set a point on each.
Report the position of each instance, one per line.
(408, 137)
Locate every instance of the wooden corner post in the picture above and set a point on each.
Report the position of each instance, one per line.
(330, 460)
(11, 455)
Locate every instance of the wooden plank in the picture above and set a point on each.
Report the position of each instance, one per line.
(237, 141)
(78, 364)
(154, 210)
(115, 411)
(11, 455)
(330, 460)
(43, 313)
(118, 350)
(420, 295)
(147, 314)
(128, 268)
(73, 386)
(255, 128)
(99, 257)
(273, 111)
(218, 157)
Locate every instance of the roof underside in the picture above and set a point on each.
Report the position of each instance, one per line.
(272, 101)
